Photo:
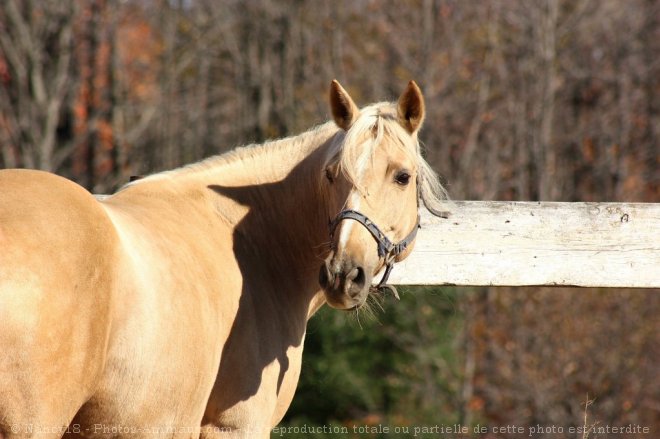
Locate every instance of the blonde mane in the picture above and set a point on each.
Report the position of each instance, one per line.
(293, 147)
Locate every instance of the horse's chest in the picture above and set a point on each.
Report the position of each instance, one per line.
(259, 370)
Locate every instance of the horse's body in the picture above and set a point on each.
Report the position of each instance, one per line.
(175, 307)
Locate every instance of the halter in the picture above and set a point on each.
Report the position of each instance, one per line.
(386, 248)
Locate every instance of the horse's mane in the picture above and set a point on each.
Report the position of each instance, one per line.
(349, 149)
(292, 147)
(300, 144)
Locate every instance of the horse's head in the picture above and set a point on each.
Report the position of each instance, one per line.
(373, 176)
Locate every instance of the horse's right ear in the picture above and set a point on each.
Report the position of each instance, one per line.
(344, 110)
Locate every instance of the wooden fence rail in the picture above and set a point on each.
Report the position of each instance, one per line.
(494, 243)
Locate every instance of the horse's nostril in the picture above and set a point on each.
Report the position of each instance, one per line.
(356, 276)
(325, 277)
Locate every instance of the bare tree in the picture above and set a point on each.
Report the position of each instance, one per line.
(36, 43)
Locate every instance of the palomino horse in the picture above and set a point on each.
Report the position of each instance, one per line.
(177, 307)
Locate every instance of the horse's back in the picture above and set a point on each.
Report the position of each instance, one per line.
(56, 274)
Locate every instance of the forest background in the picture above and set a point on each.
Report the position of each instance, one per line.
(553, 100)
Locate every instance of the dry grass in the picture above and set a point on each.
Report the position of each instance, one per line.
(586, 428)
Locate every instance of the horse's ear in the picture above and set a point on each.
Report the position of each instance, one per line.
(344, 110)
(410, 108)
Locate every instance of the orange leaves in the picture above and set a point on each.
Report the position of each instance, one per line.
(139, 50)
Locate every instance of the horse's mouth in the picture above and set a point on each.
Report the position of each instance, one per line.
(343, 302)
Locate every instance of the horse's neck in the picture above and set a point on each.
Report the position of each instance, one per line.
(270, 197)
(280, 217)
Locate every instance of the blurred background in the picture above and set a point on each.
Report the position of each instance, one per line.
(554, 100)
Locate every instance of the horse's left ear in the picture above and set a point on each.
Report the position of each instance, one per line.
(410, 108)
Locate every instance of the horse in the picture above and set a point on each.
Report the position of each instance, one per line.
(177, 307)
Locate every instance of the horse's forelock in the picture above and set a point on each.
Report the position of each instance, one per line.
(358, 145)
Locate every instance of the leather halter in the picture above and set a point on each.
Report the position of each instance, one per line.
(386, 248)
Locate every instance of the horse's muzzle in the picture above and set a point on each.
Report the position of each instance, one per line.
(345, 283)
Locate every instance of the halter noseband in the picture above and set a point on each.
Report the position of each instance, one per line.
(386, 248)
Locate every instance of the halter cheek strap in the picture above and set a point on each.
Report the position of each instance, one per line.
(386, 248)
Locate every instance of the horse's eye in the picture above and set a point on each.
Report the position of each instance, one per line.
(329, 175)
(402, 178)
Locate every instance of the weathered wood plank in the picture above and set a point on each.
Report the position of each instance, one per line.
(528, 243)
